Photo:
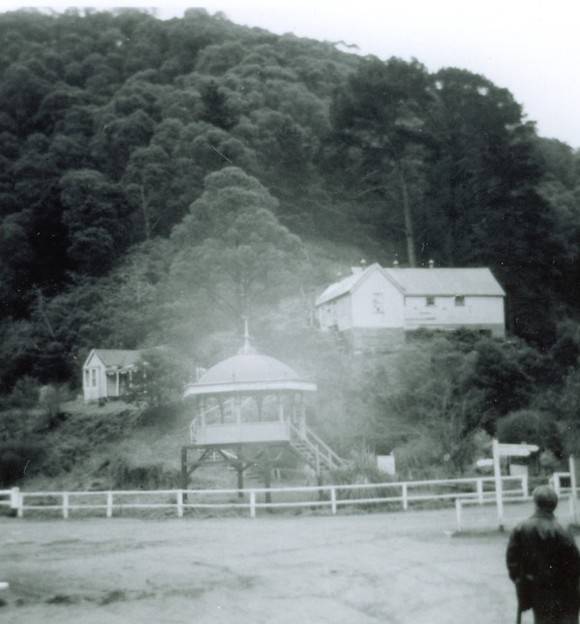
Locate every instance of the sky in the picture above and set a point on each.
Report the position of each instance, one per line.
(531, 47)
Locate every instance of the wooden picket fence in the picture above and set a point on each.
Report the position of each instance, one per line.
(399, 495)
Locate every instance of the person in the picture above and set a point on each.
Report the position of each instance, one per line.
(544, 563)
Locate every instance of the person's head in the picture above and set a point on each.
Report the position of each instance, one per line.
(545, 498)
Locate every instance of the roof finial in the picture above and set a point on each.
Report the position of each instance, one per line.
(247, 347)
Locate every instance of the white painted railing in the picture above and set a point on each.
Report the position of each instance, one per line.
(508, 497)
(329, 496)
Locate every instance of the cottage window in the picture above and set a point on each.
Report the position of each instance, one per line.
(430, 301)
(460, 300)
(87, 378)
(93, 377)
(378, 303)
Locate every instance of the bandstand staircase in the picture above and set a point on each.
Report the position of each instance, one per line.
(314, 451)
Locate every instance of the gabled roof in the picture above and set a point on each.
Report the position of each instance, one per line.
(450, 282)
(116, 358)
(436, 282)
(345, 285)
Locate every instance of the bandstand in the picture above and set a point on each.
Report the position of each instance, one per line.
(247, 408)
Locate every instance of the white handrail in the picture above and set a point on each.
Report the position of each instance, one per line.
(330, 456)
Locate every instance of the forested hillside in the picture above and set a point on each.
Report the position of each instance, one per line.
(159, 180)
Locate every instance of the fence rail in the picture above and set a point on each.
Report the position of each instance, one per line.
(403, 494)
(508, 497)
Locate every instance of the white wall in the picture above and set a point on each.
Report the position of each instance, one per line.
(93, 391)
(365, 312)
(476, 311)
(336, 313)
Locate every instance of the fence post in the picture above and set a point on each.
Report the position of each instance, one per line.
(180, 503)
(65, 505)
(333, 499)
(20, 509)
(525, 485)
(458, 509)
(252, 504)
(479, 485)
(109, 504)
(405, 496)
(14, 497)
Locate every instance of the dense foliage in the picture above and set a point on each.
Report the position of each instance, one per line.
(160, 180)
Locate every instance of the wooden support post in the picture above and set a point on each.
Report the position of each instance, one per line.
(238, 409)
(109, 504)
(65, 505)
(525, 485)
(320, 483)
(259, 406)
(404, 495)
(240, 470)
(333, 499)
(184, 471)
(302, 416)
(20, 510)
(268, 481)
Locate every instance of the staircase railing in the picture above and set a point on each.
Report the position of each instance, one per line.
(316, 445)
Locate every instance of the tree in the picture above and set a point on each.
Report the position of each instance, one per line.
(232, 246)
(428, 403)
(161, 377)
(147, 182)
(94, 216)
(377, 123)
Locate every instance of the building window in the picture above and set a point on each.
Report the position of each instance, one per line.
(379, 303)
(430, 301)
(460, 300)
(94, 377)
(87, 379)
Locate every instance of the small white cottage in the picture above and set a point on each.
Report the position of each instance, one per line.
(108, 373)
(379, 305)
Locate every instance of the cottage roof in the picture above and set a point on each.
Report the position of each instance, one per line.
(445, 281)
(451, 282)
(117, 358)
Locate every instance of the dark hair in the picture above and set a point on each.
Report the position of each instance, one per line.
(545, 498)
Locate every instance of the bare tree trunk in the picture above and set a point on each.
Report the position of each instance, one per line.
(146, 222)
(409, 231)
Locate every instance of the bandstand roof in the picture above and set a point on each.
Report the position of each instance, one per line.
(249, 371)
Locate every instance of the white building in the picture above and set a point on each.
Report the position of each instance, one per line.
(375, 307)
(107, 373)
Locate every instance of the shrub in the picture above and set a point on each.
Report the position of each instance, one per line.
(17, 459)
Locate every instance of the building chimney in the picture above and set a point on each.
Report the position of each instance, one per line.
(431, 263)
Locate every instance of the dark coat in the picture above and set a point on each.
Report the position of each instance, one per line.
(544, 563)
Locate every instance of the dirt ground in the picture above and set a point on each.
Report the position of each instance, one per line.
(383, 567)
